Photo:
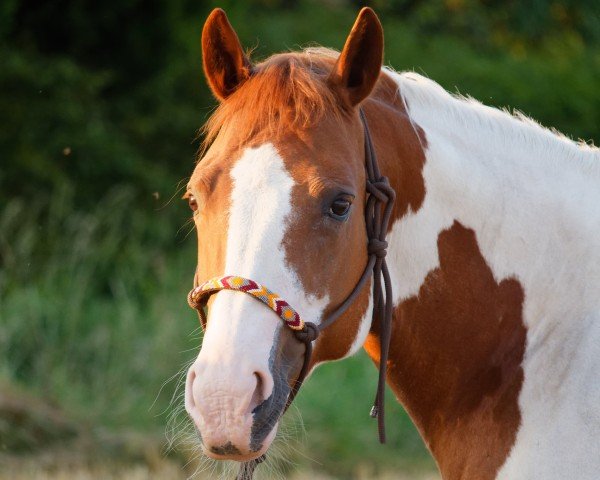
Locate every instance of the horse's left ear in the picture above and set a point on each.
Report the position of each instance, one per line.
(359, 65)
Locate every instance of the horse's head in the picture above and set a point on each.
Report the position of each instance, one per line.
(278, 198)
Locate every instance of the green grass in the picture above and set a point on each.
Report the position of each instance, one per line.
(93, 318)
(335, 406)
(93, 312)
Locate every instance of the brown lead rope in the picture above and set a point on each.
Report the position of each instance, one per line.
(380, 194)
(378, 211)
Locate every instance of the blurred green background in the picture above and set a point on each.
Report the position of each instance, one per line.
(100, 103)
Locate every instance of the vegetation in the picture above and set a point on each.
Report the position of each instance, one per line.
(99, 106)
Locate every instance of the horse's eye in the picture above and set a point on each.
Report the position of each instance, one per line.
(192, 203)
(340, 208)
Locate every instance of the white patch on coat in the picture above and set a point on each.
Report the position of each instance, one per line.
(533, 199)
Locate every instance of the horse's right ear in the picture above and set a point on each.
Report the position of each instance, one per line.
(225, 64)
(359, 65)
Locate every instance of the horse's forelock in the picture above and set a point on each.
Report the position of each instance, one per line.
(287, 92)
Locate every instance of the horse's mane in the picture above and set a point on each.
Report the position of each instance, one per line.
(286, 91)
(509, 130)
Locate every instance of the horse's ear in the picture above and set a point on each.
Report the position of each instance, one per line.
(225, 64)
(359, 65)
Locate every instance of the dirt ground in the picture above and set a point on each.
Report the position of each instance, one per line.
(41, 468)
(168, 472)
(38, 442)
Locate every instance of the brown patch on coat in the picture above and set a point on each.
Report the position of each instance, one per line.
(401, 160)
(322, 166)
(329, 257)
(455, 360)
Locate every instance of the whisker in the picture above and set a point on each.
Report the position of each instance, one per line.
(181, 185)
(189, 221)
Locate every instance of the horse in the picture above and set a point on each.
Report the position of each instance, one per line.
(493, 254)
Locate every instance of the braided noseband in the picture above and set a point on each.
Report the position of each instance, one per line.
(198, 297)
(378, 210)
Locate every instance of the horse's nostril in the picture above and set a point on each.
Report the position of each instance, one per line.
(190, 404)
(259, 395)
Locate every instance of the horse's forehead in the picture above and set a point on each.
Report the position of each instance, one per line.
(313, 162)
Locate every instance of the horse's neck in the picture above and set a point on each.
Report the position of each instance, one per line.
(498, 256)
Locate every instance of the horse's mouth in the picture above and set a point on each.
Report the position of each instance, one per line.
(229, 451)
(252, 441)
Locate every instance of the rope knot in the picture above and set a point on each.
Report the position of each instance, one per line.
(308, 334)
(381, 189)
(377, 247)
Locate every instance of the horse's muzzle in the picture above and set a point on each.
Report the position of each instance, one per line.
(234, 419)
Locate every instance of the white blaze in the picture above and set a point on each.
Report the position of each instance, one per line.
(241, 329)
